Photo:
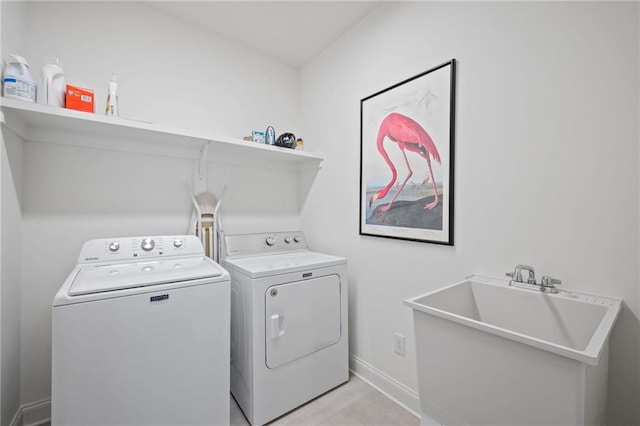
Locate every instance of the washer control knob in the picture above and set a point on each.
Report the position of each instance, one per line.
(148, 244)
(287, 240)
(270, 241)
(297, 238)
(114, 246)
(177, 243)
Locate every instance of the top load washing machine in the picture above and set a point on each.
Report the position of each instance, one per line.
(141, 336)
(289, 330)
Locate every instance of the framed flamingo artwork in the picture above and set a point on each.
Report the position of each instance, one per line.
(406, 158)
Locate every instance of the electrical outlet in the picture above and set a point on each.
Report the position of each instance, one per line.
(398, 343)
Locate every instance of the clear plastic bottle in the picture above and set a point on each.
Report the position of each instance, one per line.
(17, 82)
(112, 98)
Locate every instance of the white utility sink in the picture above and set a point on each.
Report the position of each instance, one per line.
(572, 324)
(491, 353)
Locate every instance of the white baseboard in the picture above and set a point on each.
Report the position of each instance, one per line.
(390, 387)
(34, 414)
(17, 419)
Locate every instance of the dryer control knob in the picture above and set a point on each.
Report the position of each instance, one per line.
(147, 244)
(270, 241)
(177, 243)
(114, 246)
(287, 240)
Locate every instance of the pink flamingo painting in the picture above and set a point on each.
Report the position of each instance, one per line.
(409, 135)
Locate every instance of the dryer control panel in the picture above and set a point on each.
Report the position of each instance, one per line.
(268, 243)
(133, 248)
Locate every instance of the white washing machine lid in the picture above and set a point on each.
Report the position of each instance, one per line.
(97, 278)
(282, 263)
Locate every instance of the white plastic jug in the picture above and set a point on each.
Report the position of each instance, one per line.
(17, 80)
(53, 88)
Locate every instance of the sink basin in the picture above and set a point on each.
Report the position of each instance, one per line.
(490, 353)
(572, 324)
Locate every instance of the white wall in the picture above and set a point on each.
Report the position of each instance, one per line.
(11, 19)
(10, 277)
(170, 73)
(546, 162)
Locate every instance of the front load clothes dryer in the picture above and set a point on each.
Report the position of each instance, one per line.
(289, 334)
(141, 336)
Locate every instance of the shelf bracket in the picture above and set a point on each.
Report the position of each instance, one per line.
(200, 170)
(204, 152)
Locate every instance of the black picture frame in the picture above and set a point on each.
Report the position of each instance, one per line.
(407, 158)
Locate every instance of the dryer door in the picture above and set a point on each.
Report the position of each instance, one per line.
(301, 318)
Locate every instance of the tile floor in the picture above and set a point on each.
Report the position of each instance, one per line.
(354, 403)
(351, 404)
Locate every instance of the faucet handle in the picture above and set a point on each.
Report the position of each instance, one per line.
(548, 281)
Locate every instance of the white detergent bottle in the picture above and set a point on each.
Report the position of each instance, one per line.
(112, 98)
(17, 82)
(53, 87)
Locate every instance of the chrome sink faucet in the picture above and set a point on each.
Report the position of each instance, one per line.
(547, 284)
(516, 275)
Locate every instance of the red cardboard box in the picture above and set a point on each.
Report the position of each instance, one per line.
(80, 99)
